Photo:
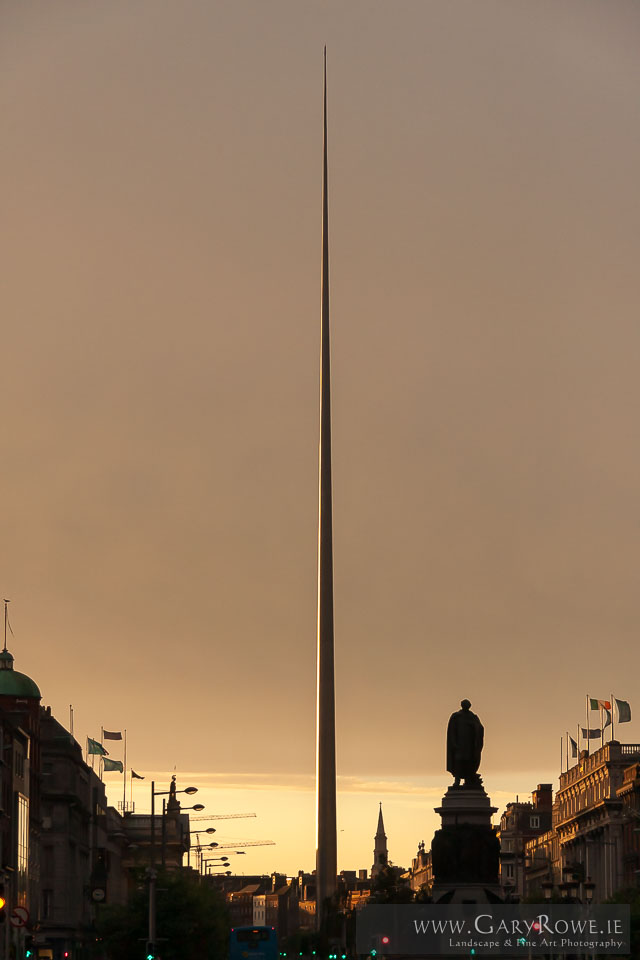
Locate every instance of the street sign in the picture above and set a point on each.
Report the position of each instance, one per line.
(19, 917)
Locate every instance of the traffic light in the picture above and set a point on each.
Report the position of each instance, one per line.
(28, 946)
(3, 904)
(151, 951)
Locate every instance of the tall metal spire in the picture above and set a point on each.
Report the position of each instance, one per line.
(326, 836)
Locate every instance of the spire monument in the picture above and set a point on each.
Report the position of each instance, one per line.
(326, 835)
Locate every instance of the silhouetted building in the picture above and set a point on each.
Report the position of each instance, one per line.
(165, 844)
(594, 814)
(19, 791)
(81, 864)
(629, 794)
(520, 823)
(589, 823)
(240, 903)
(420, 875)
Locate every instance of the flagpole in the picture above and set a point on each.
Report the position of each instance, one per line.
(124, 772)
(567, 749)
(578, 741)
(70, 719)
(561, 753)
(613, 710)
(587, 720)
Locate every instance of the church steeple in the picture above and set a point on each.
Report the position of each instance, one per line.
(380, 852)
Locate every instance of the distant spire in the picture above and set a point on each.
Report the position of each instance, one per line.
(380, 852)
(326, 835)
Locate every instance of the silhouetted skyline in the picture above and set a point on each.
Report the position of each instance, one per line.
(159, 387)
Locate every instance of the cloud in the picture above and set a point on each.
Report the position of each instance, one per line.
(299, 782)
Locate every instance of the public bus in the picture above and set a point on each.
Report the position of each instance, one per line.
(253, 943)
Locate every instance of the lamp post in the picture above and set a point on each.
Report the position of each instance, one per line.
(196, 806)
(152, 862)
(570, 888)
(159, 793)
(221, 862)
(199, 848)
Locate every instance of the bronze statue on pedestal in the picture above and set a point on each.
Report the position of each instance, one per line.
(465, 737)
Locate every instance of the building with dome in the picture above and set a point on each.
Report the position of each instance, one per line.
(19, 784)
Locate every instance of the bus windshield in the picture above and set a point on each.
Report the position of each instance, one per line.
(253, 943)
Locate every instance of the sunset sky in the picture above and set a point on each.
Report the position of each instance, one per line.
(160, 231)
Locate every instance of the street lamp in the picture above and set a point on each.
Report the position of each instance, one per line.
(209, 863)
(196, 806)
(152, 860)
(159, 793)
(587, 888)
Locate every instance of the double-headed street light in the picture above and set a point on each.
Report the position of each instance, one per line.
(158, 793)
(152, 860)
(196, 806)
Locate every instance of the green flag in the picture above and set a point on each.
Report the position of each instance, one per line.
(95, 747)
(593, 733)
(112, 765)
(624, 711)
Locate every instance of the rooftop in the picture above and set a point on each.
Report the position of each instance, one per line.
(14, 684)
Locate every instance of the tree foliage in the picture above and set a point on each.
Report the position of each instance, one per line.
(192, 922)
(389, 886)
(631, 895)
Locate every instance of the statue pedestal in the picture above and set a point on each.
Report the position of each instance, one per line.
(466, 851)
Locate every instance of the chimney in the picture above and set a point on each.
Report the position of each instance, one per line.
(543, 796)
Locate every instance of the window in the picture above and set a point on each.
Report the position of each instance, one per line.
(507, 870)
(47, 904)
(22, 850)
(47, 861)
(534, 821)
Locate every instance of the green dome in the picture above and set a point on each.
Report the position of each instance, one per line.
(14, 684)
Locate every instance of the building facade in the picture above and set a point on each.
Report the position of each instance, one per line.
(20, 823)
(520, 823)
(595, 814)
